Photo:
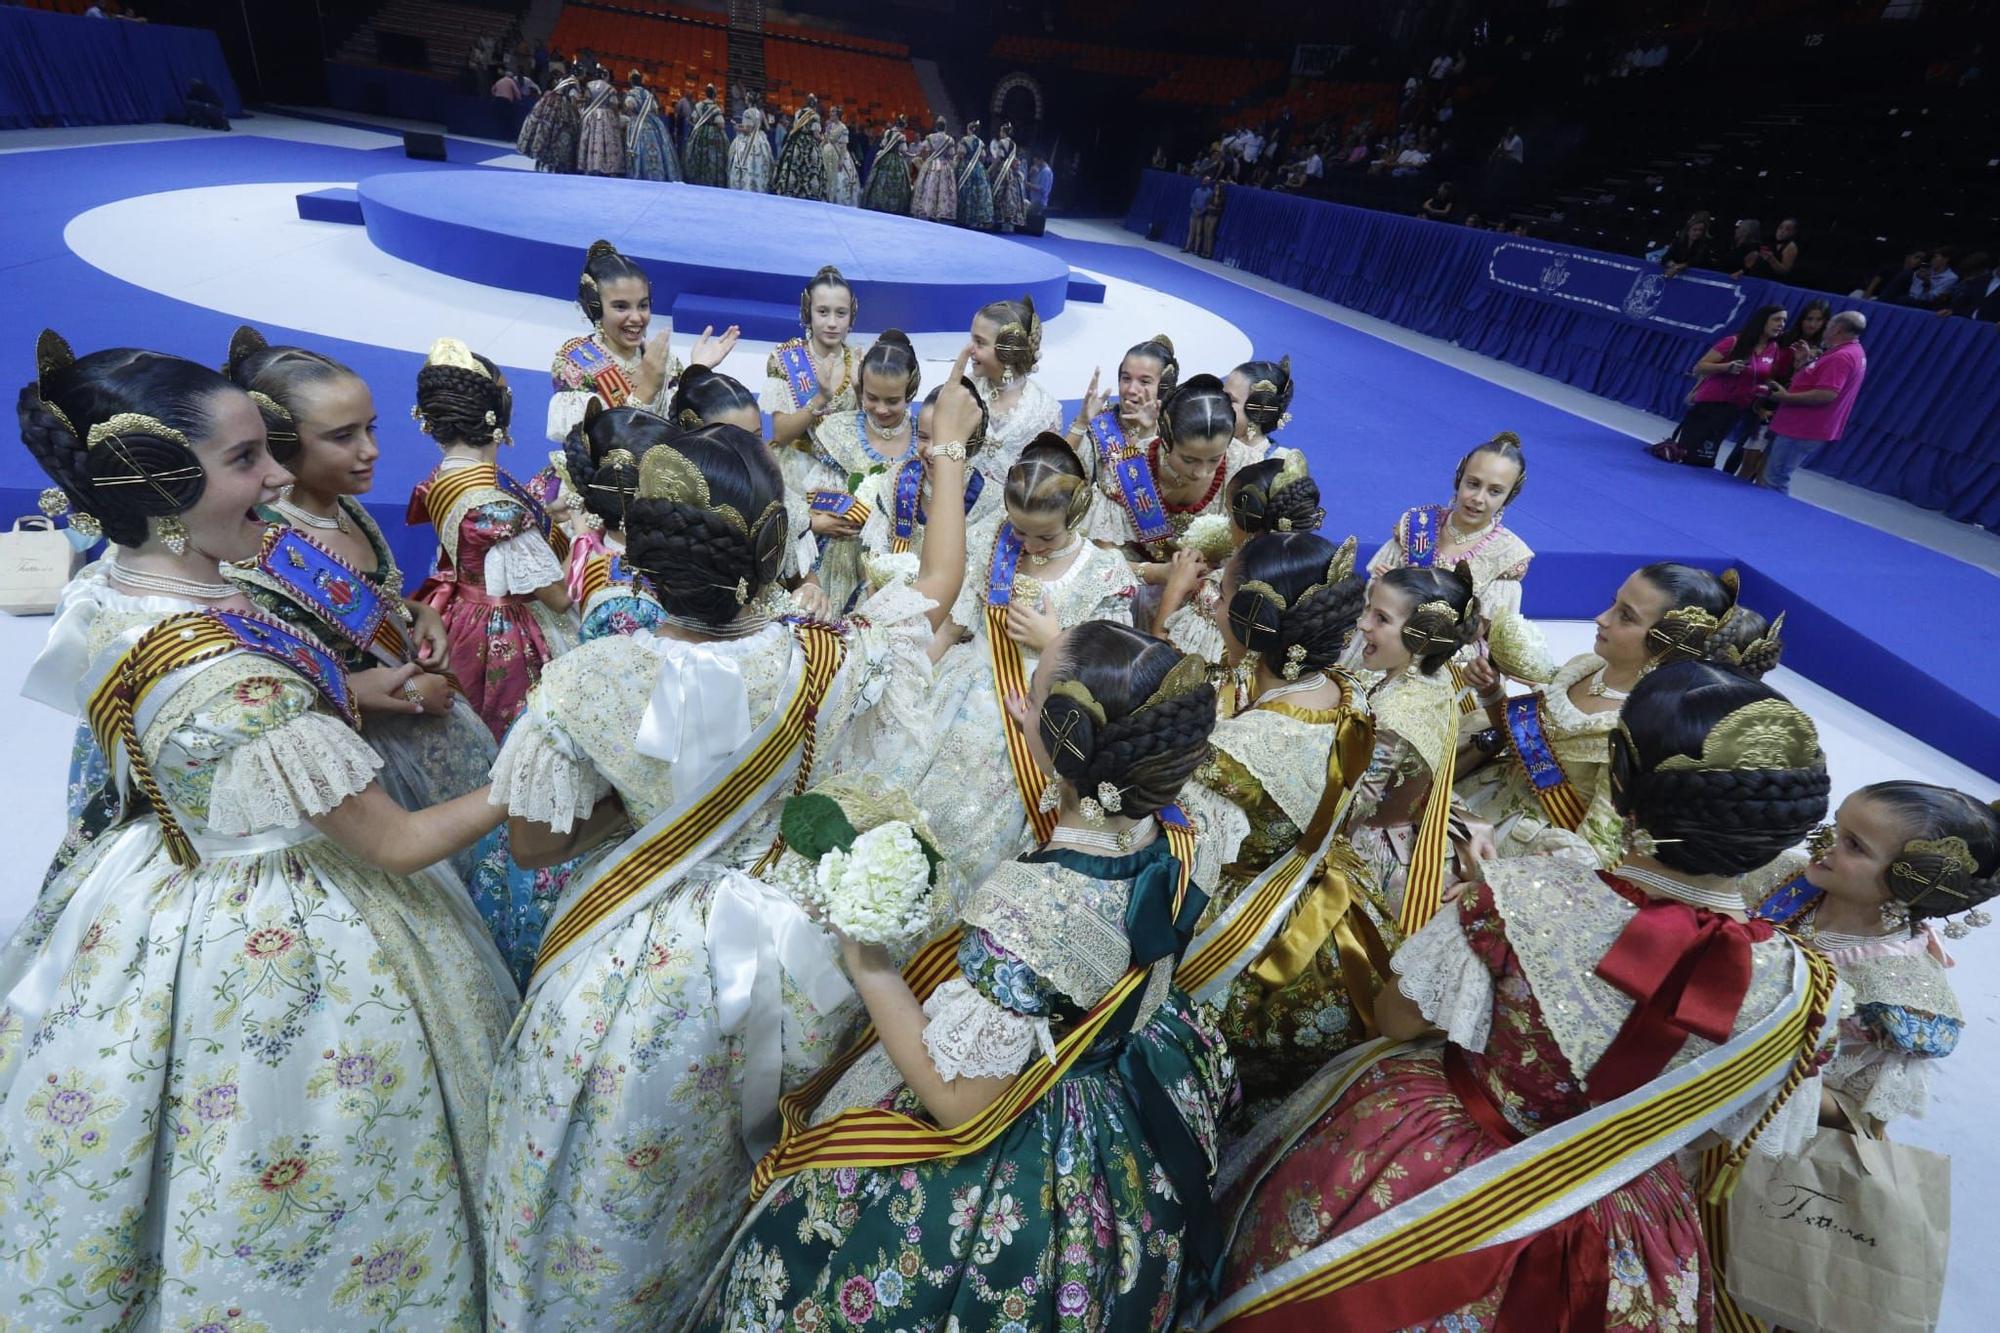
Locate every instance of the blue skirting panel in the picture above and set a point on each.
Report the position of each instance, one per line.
(1926, 428)
(528, 232)
(63, 69)
(339, 203)
(414, 96)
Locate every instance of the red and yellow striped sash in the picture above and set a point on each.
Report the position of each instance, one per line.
(1468, 698)
(1010, 677)
(870, 1136)
(824, 647)
(1423, 885)
(449, 488)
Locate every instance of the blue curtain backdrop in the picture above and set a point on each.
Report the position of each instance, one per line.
(1926, 428)
(63, 69)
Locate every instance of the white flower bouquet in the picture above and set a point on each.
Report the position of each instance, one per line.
(1210, 537)
(857, 855)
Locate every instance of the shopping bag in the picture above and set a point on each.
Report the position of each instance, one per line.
(1848, 1237)
(36, 560)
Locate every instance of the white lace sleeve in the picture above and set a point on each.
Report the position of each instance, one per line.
(970, 603)
(1220, 828)
(566, 408)
(520, 565)
(1192, 630)
(283, 777)
(543, 775)
(1437, 969)
(969, 1036)
(1387, 556)
(777, 395)
(1107, 521)
(1886, 1083)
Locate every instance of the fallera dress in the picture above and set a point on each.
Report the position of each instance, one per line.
(975, 192)
(649, 144)
(801, 172)
(889, 183)
(843, 178)
(600, 145)
(1010, 185)
(549, 134)
(935, 192)
(750, 153)
(707, 146)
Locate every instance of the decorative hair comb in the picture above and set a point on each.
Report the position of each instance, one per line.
(1763, 734)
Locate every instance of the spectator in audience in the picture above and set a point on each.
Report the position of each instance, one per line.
(1041, 180)
(204, 106)
(1473, 222)
(1442, 204)
(1892, 283)
(1511, 148)
(1774, 259)
(1748, 241)
(1977, 295)
(1693, 247)
(1441, 67)
(507, 88)
(1812, 413)
(1198, 213)
(1726, 382)
(1931, 286)
(1357, 148)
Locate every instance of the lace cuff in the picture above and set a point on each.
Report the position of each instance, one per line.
(1439, 971)
(289, 774)
(969, 1036)
(520, 565)
(541, 774)
(1220, 828)
(1192, 630)
(1889, 1085)
(892, 689)
(1789, 1131)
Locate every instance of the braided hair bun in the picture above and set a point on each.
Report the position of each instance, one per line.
(1129, 712)
(278, 379)
(1199, 409)
(460, 405)
(1296, 599)
(602, 456)
(1267, 392)
(134, 474)
(1275, 494)
(1048, 478)
(1444, 615)
(1710, 813)
(602, 265)
(1950, 861)
(709, 555)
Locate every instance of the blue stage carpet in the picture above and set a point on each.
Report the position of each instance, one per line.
(1901, 631)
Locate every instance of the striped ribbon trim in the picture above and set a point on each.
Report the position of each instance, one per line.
(1010, 677)
(449, 489)
(823, 650)
(1423, 885)
(1546, 1171)
(1729, 1316)
(870, 1136)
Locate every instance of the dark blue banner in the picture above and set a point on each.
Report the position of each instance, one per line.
(1631, 289)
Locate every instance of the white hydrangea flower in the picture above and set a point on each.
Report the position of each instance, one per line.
(877, 892)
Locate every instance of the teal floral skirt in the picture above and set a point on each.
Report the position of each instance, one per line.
(1071, 1221)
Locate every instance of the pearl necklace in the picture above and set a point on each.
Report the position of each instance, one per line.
(338, 523)
(1715, 900)
(1087, 840)
(1061, 553)
(891, 433)
(172, 585)
(1597, 689)
(1835, 941)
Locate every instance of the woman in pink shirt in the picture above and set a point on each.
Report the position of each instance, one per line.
(1726, 382)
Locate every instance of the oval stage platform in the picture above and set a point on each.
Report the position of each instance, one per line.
(715, 256)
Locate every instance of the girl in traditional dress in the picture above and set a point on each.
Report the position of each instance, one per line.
(843, 180)
(847, 469)
(1276, 495)
(1261, 392)
(801, 173)
(245, 1034)
(888, 188)
(1090, 1208)
(1558, 801)
(1274, 804)
(549, 134)
(616, 364)
(1155, 488)
(328, 568)
(498, 585)
(1559, 1041)
(707, 144)
(649, 144)
(750, 151)
(1010, 181)
(675, 993)
(1469, 530)
(897, 526)
(1147, 373)
(600, 147)
(1033, 576)
(812, 377)
(935, 194)
(704, 397)
(1006, 348)
(975, 192)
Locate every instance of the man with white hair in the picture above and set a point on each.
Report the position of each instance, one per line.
(1813, 410)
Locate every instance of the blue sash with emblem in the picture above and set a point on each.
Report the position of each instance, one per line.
(1529, 744)
(1788, 902)
(801, 376)
(1142, 499)
(1420, 536)
(908, 513)
(311, 660)
(604, 374)
(324, 584)
(1109, 437)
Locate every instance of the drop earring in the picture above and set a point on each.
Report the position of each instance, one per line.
(173, 534)
(1051, 798)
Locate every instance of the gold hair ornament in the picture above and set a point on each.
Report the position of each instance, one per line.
(452, 352)
(52, 353)
(1763, 734)
(1938, 868)
(1760, 654)
(1188, 675)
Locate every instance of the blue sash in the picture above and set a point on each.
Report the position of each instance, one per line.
(536, 509)
(1560, 801)
(1420, 536)
(1142, 500)
(908, 512)
(974, 485)
(1109, 437)
(1786, 904)
(1006, 559)
(800, 375)
(321, 582)
(838, 503)
(295, 650)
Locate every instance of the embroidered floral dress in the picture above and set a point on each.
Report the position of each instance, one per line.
(1252, 801)
(256, 1085)
(550, 132)
(1077, 1216)
(1111, 517)
(842, 454)
(889, 186)
(1508, 973)
(843, 178)
(426, 758)
(800, 172)
(961, 774)
(649, 145)
(935, 194)
(1010, 186)
(750, 153)
(975, 191)
(707, 146)
(491, 559)
(600, 145)
(1416, 728)
(1010, 430)
(649, 1058)
(1498, 792)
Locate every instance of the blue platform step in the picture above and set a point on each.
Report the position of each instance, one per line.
(1087, 290)
(759, 321)
(341, 203)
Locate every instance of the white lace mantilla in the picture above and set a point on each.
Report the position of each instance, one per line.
(969, 1036)
(521, 565)
(1069, 928)
(1437, 969)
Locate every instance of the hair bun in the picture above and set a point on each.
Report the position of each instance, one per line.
(599, 249)
(245, 343)
(1164, 341)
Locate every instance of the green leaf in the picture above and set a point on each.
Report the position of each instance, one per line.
(814, 825)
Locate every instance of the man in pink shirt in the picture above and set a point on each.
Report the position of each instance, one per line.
(1813, 411)
(506, 88)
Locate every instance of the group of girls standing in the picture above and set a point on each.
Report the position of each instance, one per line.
(965, 179)
(599, 129)
(464, 957)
